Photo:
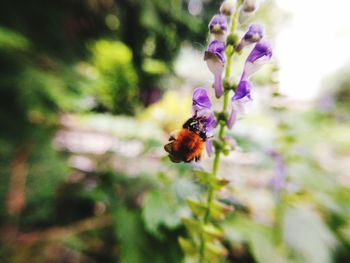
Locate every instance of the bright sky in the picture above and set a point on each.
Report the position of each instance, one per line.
(313, 45)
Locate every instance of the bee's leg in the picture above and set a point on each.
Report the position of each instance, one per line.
(198, 158)
(168, 147)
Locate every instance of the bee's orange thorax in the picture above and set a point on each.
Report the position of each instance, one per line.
(188, 145)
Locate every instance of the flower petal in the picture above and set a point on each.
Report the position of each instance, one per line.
(209, 146)
(243, 90)
(217, 49)
(260, 55)
(218, 85)
(232, 119)
(218, 24)
(200, 99)
(261, 50)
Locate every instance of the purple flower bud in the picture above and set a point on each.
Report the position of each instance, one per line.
(228, 7)
(260, 55)
(215, 58)
(238, 101)
(253, 35)
(218, 24)
(249, 5)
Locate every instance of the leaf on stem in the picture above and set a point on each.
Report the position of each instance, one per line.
(220, 210)
(187, 246)
(214, 251)
(192, 225)
(206, 178)
(211, 232)
(198, 208)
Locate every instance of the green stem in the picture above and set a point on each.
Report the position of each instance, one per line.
(211, 190)
(279, 212)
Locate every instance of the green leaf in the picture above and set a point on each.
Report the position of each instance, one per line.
(203, 177)
(211, 232)
(192, 225)
(220, 210)
(159, 209)
(187, 246)
(135, 245)
(260, 239)
(263, 248)
(306, 233)
(206, 178)
(220, 182)
(129, 234)
(214, 251)
(12, 39)
(198, 208)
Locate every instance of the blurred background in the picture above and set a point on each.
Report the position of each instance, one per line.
(89, 92)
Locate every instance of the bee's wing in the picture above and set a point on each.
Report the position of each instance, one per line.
(169, 148)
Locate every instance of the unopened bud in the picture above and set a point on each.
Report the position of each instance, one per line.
(250, 5)
(232, 40)
(226, 150)
(228, 7)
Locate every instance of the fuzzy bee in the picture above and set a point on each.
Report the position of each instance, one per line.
(187, 145)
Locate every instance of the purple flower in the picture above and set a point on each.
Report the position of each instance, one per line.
(218, 24)
(202, 113)
(260, 55)
(253, 35)
(215, 58)
(241, 97)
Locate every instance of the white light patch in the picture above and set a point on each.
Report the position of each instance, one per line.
(313, 45)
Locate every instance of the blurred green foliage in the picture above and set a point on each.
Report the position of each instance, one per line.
(80, 186)
(117, 89)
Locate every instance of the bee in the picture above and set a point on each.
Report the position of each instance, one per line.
(187, 145)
